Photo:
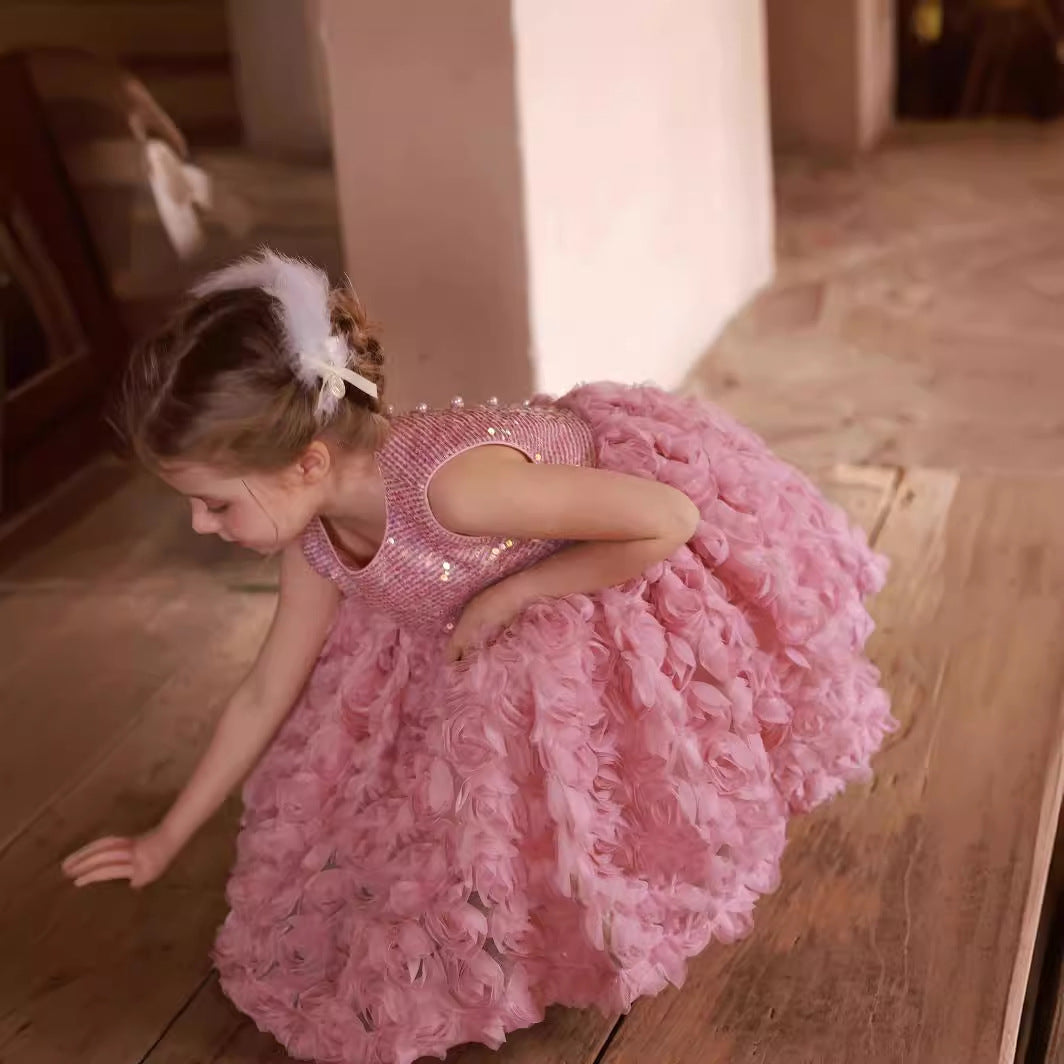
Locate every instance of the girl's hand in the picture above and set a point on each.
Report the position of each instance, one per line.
(484, 616)
(141, 860)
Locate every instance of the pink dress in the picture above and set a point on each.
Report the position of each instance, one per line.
(433, 854)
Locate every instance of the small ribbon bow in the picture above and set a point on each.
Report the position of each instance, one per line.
(334, 374)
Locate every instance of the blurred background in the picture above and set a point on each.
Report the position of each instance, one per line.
(525, 197)
(143, 143)
(498, 182)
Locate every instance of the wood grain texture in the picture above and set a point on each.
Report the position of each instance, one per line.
(94, 619)
(915, 318)
(211, 1031)
(866, 493)
(1055, 1048)
(1043, 900)
(906, 907)
(97, 975)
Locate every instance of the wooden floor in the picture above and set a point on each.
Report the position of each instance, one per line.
(918, 386)
(918, 315)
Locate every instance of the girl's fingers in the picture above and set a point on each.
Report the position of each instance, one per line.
(93, 853)
(99, 846)
(117, 850)
(114, 870)
(122, 853)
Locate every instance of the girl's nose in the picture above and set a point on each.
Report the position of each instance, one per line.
(203, 521)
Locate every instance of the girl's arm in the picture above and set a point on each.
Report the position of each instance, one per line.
(305, 611)
(621, 526)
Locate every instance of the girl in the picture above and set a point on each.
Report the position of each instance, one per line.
(543, 686)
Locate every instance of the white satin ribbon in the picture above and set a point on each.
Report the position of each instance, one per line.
(333, 378)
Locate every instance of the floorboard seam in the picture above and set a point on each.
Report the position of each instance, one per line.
(200, 986)
(600, 1056)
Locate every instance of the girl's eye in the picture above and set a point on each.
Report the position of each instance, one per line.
(218, 508)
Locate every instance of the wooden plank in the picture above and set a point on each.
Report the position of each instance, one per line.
(564, 1037)
(1042, 1037)
(96, 975)
(904, 926)
(866, 493)
(1054, 1052)
(91, 624)
(211, 1030)
(140, 531)
(25, 532)
(67, 703)
(1043, 900)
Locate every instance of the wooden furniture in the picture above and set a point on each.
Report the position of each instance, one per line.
(180, 48)
(63, 340)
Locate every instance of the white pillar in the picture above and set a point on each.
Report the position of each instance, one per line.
(538, 193)
(279, 76)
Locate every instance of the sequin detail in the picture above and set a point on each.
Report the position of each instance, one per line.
(423, 574)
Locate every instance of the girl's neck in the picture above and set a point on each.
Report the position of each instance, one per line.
(354, 499)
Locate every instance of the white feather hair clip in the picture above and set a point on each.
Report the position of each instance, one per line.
(319, 357)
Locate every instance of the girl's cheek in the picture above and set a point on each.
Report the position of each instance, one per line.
(234, 527)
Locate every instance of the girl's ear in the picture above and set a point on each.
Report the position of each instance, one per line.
(314, 463)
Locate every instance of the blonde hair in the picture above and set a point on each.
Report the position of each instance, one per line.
(216, 384)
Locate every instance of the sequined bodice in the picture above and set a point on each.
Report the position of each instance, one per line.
(423, 574)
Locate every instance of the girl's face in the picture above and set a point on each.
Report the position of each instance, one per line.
(264, 512)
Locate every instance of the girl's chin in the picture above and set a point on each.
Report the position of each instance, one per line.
(264, 550)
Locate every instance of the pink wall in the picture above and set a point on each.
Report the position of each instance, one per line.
(429, 180)
(280, 83)
(877, 63)
(543, 193)
(648, 197)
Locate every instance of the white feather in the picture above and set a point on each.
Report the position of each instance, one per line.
(302, 291)
(318, 357)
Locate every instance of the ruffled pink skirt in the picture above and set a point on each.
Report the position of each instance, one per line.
(432, 855)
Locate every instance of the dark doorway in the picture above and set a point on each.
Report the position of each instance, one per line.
(980, 58)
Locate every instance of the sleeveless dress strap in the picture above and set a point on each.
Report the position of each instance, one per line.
(423, 573)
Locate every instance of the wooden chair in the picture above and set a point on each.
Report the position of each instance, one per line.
(54, 289)
(156, 220)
